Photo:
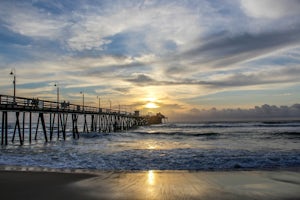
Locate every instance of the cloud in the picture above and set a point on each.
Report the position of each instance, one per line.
(156, 25)
(265, 111)
(174, 106)
(123, 90)
(105, 62)
(261, 77)
(227, 50)
(266, 76)
(270, 9)
(26, 20)
(141, 79)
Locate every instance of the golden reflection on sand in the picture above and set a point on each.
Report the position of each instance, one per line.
(150, 190)
(168, 185)
(190, 185)
(151, 177)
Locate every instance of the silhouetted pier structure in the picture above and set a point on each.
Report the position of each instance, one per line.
(101, 119)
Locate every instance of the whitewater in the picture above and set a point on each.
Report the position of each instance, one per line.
(171, 146)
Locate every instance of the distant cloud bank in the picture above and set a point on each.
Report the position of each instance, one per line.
(264, 112)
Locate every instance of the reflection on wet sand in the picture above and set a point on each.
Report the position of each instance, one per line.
(191, 185)
(151, 177)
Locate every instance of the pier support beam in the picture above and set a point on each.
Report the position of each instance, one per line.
(93, 123)
(58, 117)
(85, 126)
(30, 126)
(51, 125)
(42, 120)
(23, 127)
(75, 126)
(63, 121)
(17, 127)
(4, 128)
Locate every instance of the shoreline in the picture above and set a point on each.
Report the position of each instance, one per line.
(14, 168)
(30, 183)
(20, 168)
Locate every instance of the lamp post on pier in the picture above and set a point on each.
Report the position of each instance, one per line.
(98, 97)
(13, 73)
(82, 100)
(57, 94)
(109, 101)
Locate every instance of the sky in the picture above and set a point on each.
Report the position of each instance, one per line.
(184, 58)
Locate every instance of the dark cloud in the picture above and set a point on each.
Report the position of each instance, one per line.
(145, 80)
(141, 78)
(174, 70)
(226, 50)
(112, 68)
(170, 106)
(281, 75)
(122, 90)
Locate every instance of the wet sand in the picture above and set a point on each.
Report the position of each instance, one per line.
(275, 185)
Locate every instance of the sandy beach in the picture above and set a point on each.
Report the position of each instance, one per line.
(283, 184)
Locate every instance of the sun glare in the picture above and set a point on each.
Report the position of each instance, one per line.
(151, 105)
(151, 99)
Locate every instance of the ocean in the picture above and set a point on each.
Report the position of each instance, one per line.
(172, 146)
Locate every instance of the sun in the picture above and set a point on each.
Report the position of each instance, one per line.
(151, 105)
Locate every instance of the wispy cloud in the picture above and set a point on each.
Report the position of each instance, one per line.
(271, 9)
(155, 26)
(260, 77)
(29, 21)
(226, 50)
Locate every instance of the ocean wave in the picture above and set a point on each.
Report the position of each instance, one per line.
(179, 134)
(145, 159)
(197, 126)
(247, 145)
(277, 125)
(285, 135)
(94, 135)
(233, 125)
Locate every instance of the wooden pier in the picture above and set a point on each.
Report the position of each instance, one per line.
(57, 115)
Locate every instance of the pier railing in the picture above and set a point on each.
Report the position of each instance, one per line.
(34, 104)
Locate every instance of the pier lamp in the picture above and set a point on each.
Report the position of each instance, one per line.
(109, 105)
(13, 73)
(82, 100)
(57, 94)
(98, 97)
(119, 106)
